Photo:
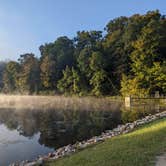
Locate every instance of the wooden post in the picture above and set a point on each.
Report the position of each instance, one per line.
(128, 101)
(157, 94)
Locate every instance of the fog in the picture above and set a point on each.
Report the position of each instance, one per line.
(58, 102)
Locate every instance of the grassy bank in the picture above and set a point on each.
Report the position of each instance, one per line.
(138, 148)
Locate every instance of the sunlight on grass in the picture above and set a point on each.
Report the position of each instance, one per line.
(149, 129)
(138, 148)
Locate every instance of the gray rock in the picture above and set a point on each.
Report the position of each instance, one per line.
(40, 161)
(30, 164)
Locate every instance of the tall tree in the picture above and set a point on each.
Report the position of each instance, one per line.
(54, 59)
(99, 81)
(29, 76)
(10, 76)
(70, 82)
(85, 43)
(117, 58)
(147, 56)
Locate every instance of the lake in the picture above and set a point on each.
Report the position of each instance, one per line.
(27, 133)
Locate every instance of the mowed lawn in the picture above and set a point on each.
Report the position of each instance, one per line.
(138, 148)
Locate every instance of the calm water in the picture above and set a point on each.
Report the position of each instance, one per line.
(26, 134)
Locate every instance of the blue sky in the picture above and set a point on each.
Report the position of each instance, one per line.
(26, 24)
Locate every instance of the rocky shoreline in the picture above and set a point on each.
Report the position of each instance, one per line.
(69, 149)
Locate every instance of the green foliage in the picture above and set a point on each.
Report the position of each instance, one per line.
(87, 39)
(156, 77)
(70, 82)
(130, 86)
(129, 58)
(86, 44)
(96, 61)
(83, 62)
(100, 83)
(146, 83)
(47, 68)
(10, 76)
(147, 67)
(29, 76)
(99, 80)
(54, 58)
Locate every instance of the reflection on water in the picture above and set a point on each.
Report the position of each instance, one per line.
(25, 134)
(14, 147)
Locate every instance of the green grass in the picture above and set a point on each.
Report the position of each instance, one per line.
(138, 148)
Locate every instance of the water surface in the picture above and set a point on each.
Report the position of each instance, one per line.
(27, 133)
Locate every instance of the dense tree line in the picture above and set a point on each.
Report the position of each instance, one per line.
(129, 59)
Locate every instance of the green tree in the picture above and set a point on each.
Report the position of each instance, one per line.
(29, 75)
(156, 78)
(48, 74)
(70, 82)
(114, 48)
(96, 61)
(146, 56)
(99, 82)
(10, 76)
(54, 59)
(86, 43)
(130, 87)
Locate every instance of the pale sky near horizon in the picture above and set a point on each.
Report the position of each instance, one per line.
(26, 24)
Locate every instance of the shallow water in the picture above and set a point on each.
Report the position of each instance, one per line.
(27, 133)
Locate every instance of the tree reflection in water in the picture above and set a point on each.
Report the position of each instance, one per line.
(59, 128)
(62, 127)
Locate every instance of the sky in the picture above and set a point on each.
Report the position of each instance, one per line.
(27, 24)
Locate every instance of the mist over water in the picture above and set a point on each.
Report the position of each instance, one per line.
(57, 102)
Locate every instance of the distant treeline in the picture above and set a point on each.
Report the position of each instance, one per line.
(130, 58)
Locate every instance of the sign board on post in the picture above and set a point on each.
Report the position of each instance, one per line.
(157, 94)
(128, 101)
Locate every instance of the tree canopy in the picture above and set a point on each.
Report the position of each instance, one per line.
(129, 58)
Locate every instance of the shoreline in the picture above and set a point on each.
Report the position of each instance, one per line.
(70, 149)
